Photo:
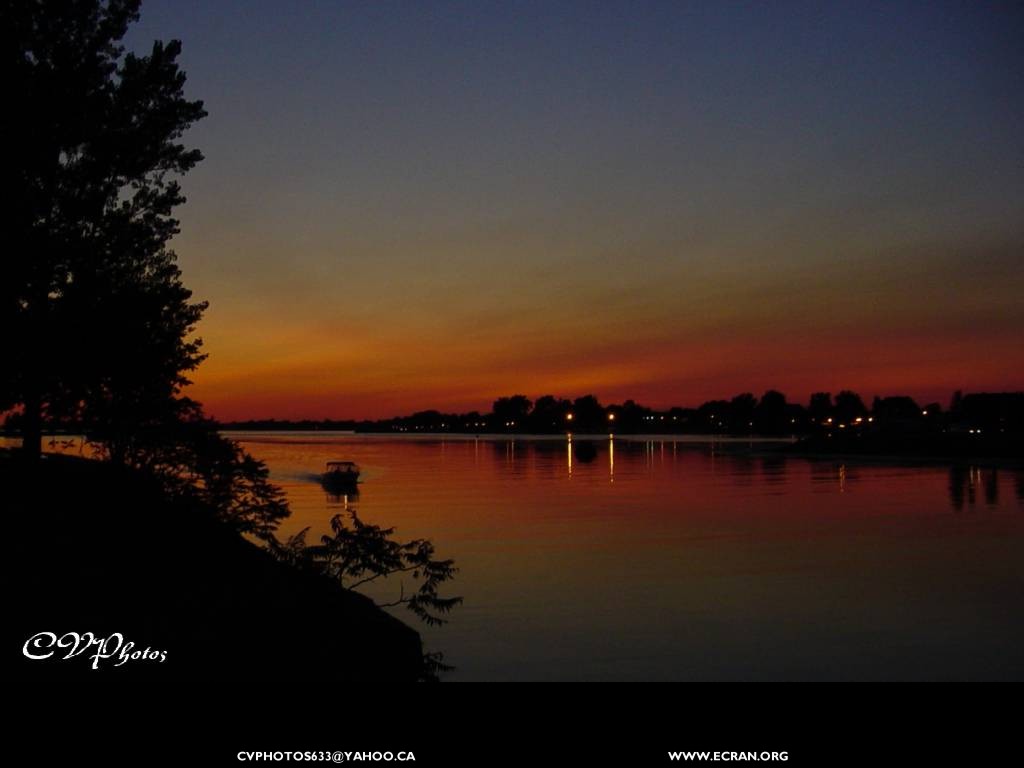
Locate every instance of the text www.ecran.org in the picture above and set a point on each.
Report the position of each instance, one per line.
(699, 757)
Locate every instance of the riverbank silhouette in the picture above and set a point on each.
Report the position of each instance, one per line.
(974, 425)
(104, 550)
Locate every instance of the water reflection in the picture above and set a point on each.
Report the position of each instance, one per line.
(339, 490)
(585, 450)
(992, 488)
(665, 558)
(597, 557)
(840, 476)
(773, 470)
(342, 500)
(745, 465)
(966, 481)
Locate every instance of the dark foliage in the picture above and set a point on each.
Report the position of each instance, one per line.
(510, 410)
(97, 326)
(112, 552)
(95, 320)
(357, 553)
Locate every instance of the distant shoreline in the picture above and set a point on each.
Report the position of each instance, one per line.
(536, 437)
(935, 451)
(760, 446)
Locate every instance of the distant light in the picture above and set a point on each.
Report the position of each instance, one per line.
(611, 417)
(871, 418)
(568, 416)
(858, 419)
(842, 426)
(829, 419)
(924, 413)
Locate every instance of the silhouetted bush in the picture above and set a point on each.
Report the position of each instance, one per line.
(357, 553)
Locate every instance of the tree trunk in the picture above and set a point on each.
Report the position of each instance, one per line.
(32, 427)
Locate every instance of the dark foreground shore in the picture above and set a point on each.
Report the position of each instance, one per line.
(98, 549)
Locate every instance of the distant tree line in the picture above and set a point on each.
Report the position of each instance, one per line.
(771, 414)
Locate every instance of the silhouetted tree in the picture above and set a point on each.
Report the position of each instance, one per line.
(714, 415)
(95, 319)
(189, 457)
(587, 413)
(896, 408)
(741, 412)
(512, 409)
(235, 484)
(630, 417)
(549, 413)
(679, 417)
(820, 407)
(771, 414)
(849, 406)
(1001, 412)
(956, 403)
(357, 553)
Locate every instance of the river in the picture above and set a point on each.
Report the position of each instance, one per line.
(679, 559)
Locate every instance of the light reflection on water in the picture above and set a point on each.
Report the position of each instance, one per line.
(675, 559)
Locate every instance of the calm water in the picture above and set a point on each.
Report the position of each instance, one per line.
(674, 560)
(681, 560)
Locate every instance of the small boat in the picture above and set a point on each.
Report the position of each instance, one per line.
(340, 478)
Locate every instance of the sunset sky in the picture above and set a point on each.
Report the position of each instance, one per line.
(427, 205)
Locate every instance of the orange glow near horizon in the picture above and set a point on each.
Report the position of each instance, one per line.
(378, 375)
(431, 209)
(916, 320)
(368, 335)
